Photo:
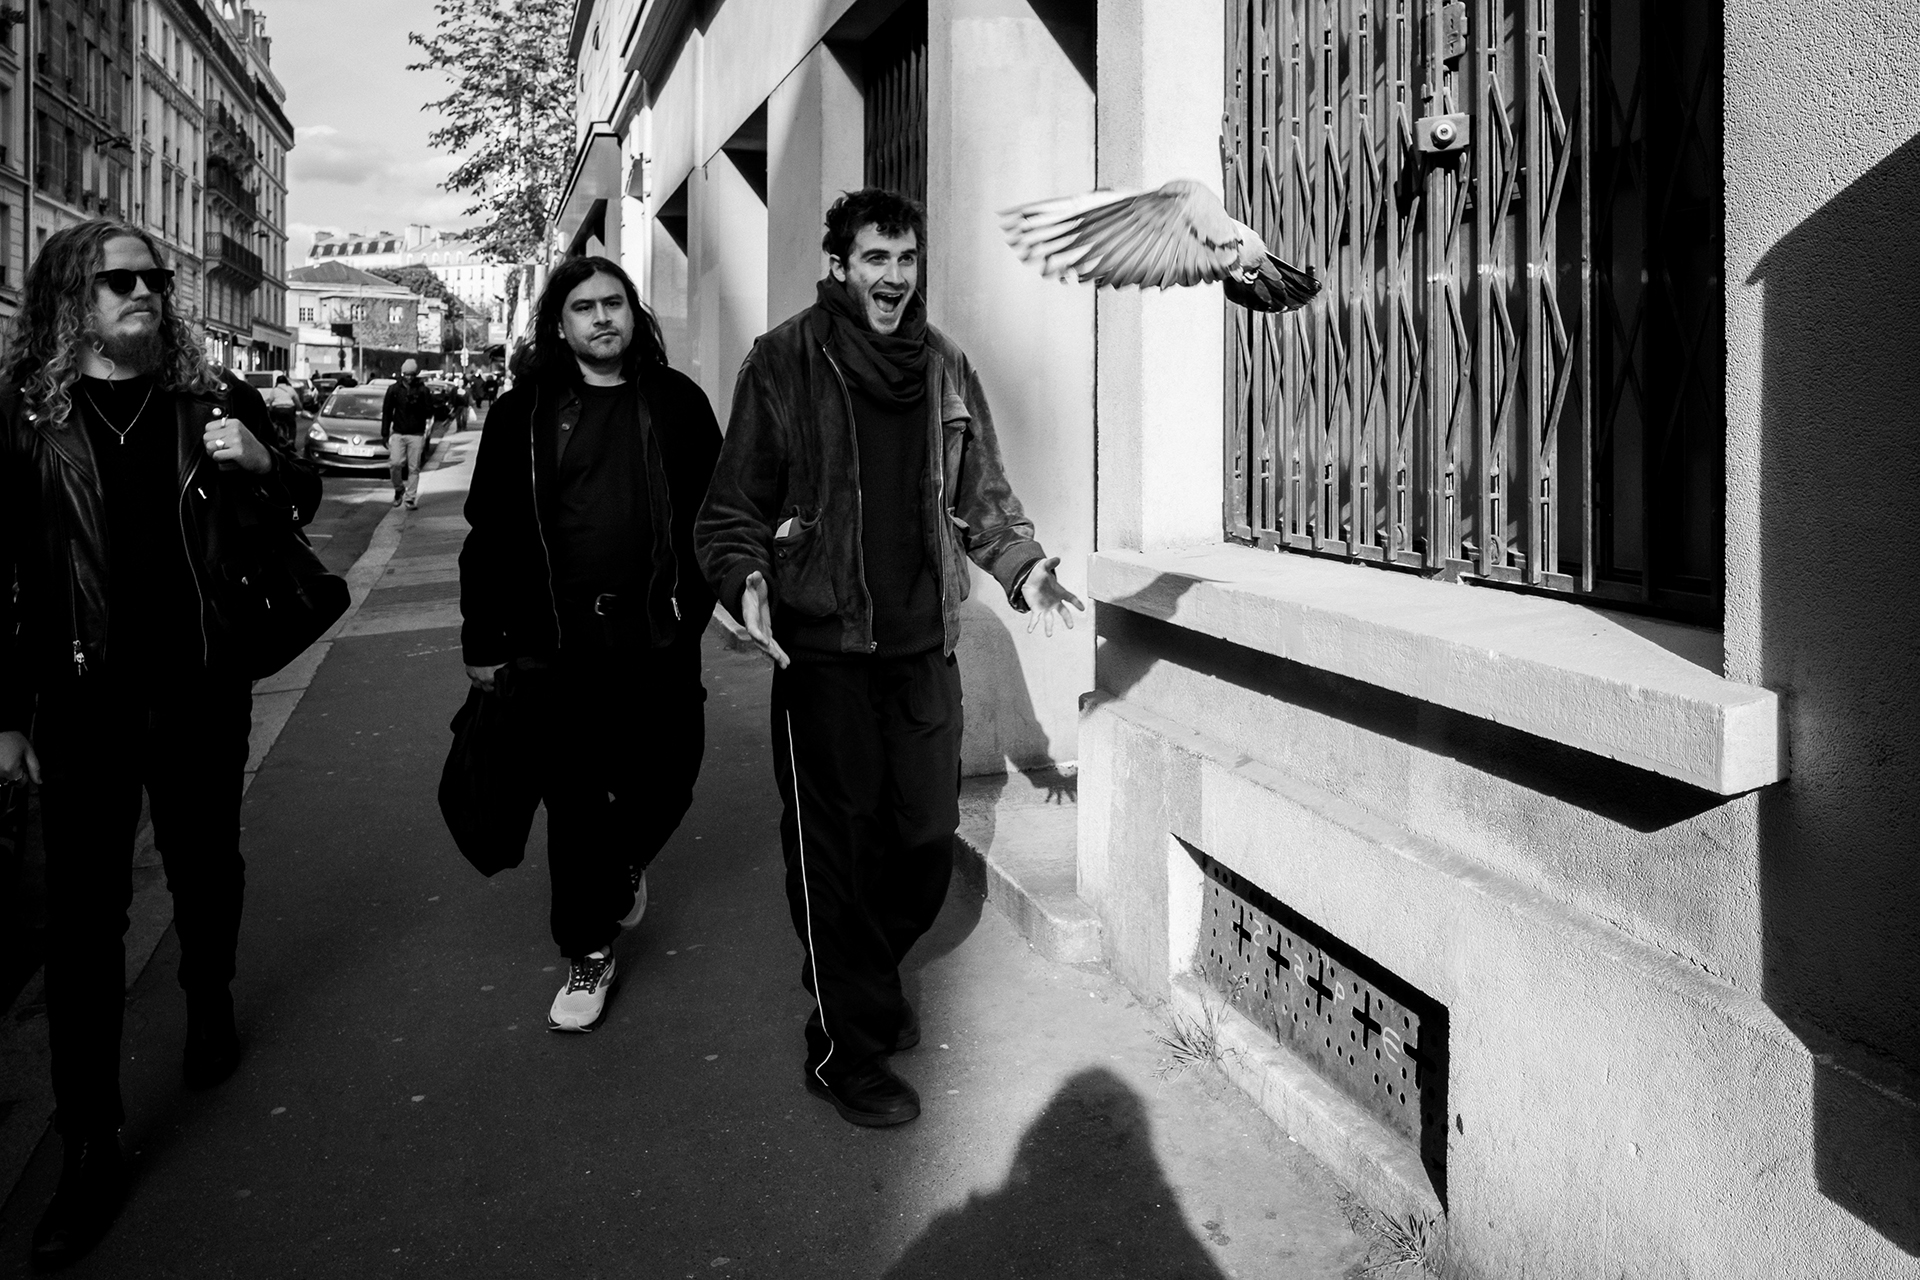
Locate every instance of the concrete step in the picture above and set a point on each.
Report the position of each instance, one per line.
(1018, 839)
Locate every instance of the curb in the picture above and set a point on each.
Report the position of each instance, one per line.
(1018, 842)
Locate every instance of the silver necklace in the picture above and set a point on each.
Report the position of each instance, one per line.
(103, 417)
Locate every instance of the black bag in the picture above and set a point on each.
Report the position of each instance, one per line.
(488, 793)
(279, 597)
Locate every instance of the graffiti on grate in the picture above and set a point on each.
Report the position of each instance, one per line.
(1373, 1036)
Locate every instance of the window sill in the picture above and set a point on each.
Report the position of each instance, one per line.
(1643, 692)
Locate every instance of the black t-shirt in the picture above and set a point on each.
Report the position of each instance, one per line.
(153, 598)
(893, 467)
(602, 522)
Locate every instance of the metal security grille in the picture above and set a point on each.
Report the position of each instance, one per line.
(894, 63)
(1373, 1036)
(1516, 373)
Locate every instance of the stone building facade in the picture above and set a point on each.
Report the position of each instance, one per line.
(164, 113)
(1493, 718)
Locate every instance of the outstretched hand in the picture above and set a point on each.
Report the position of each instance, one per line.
(1045, 597)
(756, 615)
(18, 763)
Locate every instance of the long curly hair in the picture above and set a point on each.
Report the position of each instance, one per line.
(553, 358)
(43, 342)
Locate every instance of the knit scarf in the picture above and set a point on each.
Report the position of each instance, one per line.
(889, 368)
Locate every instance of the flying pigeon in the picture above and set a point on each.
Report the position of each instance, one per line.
(1179, 234)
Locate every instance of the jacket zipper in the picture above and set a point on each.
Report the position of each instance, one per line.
(533, 490)
(193, 567)
(859, 499)
(73, 613)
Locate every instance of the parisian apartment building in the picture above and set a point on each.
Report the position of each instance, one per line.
(476, 279)
(165, 113)
(1494, 716)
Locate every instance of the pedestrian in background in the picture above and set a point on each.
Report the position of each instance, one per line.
(124, 463)
(584, 605)
(859, 475)
(283, 408)
(404, 414)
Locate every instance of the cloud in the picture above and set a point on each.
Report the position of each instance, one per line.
(315, 131)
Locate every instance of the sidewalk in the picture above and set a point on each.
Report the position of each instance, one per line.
(401, 1110)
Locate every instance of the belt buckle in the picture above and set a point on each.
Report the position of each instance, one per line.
(601, 603)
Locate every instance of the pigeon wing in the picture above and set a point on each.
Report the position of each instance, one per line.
(1178, 234)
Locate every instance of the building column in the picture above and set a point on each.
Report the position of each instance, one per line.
(815, 131)
(1011, 118)
(1162, 398)
(729, 269)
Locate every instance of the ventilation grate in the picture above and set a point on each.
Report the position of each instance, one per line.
(1372, 1035)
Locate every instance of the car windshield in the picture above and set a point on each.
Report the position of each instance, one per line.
(351, 404)
(261, 378)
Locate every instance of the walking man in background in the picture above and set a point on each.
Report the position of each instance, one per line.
(584, 605)
(404, 415)
(860, 473)
(124, 463)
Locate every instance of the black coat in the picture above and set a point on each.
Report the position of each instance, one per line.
(53, 537)
(507, 597)
(786, 503)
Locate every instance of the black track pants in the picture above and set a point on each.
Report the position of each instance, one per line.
(617, 746)
(182, 738)
(866, 753)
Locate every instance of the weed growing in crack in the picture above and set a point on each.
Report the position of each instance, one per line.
(1195, 1042)
(1407, 1247)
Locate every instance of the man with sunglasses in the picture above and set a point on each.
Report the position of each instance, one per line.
(126, 467)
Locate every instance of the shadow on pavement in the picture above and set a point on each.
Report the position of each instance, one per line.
(1085, 1197)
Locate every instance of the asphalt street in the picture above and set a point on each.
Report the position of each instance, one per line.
(402, 1111)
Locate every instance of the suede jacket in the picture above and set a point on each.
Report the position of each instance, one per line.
(508, 602)
(53, 536)
(785, 498)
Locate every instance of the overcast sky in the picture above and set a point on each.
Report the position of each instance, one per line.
(360, 160)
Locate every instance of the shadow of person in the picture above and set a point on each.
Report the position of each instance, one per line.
(1085, 1197)
(1839, 465)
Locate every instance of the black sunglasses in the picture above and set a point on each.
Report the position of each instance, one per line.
(157, 280)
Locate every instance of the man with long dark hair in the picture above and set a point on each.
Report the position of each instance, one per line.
(125, 466)
(583, 604)
(859, 476)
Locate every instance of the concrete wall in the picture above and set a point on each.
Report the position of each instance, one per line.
(1161, 395)
(1000, 70)
(1685, 1029)
(1823, 458)
(814, 134)
(728, 263)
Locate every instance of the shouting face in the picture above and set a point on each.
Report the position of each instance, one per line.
(882, 272)
(597, 322)
(125, 326)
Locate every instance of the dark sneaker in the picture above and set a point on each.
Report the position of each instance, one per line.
(868, 1095)
(92, 1184)
(398, 497)
(213, 1046)
(909, 1033)
(583, 1001)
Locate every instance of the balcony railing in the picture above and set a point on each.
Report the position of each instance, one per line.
(221, 182)
(224, 253)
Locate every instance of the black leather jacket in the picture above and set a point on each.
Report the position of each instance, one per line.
(785, 499)
(53, 539)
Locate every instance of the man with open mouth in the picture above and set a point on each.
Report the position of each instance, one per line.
(859, 475)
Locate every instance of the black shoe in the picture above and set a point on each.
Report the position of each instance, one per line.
(868, 1095)
(909, 1033)
(398, 497)
(92, 1184)
(213, 1046)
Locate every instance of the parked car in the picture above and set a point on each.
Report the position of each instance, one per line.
(347, 432)
(324, 384)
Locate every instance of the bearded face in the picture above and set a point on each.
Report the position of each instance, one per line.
(125, 327)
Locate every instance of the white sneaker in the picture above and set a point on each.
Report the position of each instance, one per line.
(632, 917)
(583, 1001)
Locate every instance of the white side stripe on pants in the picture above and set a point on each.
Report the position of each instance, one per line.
(806, 897)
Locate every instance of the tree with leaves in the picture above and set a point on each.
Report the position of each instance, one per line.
(509, 116)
